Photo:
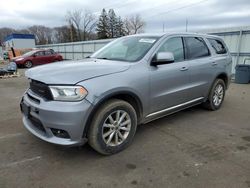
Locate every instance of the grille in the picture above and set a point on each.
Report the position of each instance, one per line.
(33, 99)
(37, 123)
(41, 89)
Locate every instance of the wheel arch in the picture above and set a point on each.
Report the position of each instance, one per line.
(127, 96)
(224, 77)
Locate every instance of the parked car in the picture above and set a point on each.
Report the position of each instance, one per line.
(130, 81)
(37, 57)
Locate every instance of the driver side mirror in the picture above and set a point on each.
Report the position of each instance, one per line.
(162, 58)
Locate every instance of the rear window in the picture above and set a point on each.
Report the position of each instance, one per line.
(196, 47)
(218, 46)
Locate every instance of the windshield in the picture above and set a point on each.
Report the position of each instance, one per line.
(126, 49)
(28, 54)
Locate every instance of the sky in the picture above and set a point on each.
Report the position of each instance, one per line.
(200, 14)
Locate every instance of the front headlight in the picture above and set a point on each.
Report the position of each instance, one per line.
(68, 93)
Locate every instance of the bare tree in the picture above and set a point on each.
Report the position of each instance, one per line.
(134, 24)
(89, 23)
(83, 21)
(75, 18)
(43, 34)
(4, 32)
(62, 34)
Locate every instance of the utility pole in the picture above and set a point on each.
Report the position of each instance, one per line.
(163, 27)
(186, 24)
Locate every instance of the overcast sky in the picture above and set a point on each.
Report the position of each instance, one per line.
(201, 14)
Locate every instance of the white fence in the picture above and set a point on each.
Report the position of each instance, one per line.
(77, 50)
(237, 40)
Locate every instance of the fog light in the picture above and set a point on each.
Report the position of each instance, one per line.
(60, 133)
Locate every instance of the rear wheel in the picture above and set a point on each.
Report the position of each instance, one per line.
(113, 127)
(216, 95)
(28, 64)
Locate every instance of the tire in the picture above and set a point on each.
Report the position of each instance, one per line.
(107, 139)
(28, 64)
(216, 98)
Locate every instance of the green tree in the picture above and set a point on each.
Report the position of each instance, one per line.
(102, 26)
(120, 31)
(112, 23)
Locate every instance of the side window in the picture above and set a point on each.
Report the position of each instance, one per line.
(218, 46)
(196, 47)
(41, 53)
(175, 46)
(47, 53)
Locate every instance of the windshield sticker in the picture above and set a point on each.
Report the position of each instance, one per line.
(147, 40)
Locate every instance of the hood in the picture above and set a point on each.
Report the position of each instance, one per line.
(15, 58)
(72, 72)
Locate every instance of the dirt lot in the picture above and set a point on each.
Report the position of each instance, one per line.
(193, 148)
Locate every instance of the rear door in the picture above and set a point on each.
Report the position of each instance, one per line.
(48, 57)
(200, 63)
(221, 58)
(168, 82)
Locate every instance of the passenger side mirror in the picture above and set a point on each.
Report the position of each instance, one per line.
(162, 58)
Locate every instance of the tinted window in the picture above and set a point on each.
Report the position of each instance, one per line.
(196, 48)
(175, 46)
(217, 46)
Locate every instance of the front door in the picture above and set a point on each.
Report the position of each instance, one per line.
(169, 82)
(38, 59)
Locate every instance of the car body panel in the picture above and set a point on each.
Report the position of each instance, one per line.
(160, 90)
(82, 70)
(59, 115)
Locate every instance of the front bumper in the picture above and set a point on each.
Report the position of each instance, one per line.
(44, 117)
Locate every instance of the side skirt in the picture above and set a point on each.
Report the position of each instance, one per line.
(173, 109)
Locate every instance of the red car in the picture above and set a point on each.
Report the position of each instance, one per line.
(37, 57)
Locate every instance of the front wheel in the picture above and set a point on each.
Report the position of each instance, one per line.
(28, 64)
(216, 95)
(113, 127)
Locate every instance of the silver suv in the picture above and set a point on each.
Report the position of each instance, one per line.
(131, 81)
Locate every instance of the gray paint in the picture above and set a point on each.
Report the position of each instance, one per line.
(165, 88)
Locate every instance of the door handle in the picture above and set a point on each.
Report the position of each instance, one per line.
(184, 68)
(214, 63)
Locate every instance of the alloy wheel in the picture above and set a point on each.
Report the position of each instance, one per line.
(116, 128)
(218, 95)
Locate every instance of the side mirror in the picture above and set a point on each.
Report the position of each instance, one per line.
(34, 55)
(162, 58)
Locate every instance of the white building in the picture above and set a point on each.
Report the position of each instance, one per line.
(20, 41)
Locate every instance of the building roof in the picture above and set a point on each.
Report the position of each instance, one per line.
(19, 36)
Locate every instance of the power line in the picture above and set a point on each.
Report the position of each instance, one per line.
(179, 8)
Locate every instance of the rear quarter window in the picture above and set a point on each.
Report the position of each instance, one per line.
(218, 46)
